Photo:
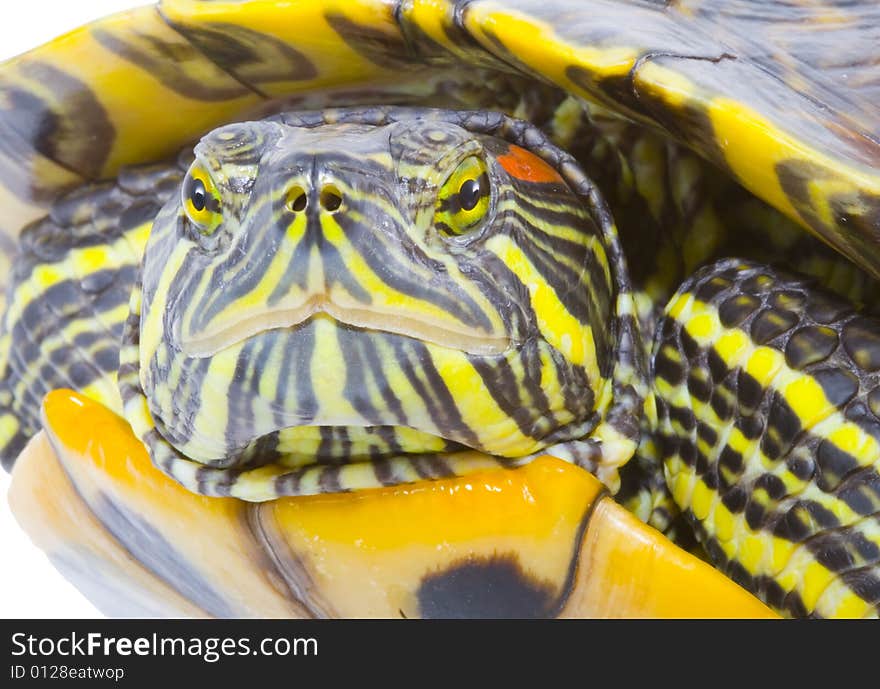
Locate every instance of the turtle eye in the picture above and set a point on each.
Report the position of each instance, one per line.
(201, 200)
(464, 199)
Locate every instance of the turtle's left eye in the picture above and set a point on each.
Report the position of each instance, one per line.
(201, 200)
(464, 199)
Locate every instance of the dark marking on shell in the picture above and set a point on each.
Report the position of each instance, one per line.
(383, 48)
(495, 587)
(156, 554)
(73, 130)
(252, 57)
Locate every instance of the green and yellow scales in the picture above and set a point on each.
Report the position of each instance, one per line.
(395, 308)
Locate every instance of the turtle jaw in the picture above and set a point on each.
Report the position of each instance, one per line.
(365, 392)
(469, 340)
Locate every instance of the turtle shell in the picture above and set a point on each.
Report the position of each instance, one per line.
(781, 95)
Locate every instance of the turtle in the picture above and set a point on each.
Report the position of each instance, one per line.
(448, 308)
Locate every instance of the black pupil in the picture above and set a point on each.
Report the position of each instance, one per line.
(199, 195)
(469, 194)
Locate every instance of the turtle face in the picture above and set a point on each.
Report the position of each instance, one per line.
(352, 292)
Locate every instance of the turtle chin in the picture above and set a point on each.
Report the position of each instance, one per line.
(327, 390)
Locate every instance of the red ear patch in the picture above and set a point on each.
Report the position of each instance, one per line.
(527, 166)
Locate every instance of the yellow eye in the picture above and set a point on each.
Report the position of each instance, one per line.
(463, 201)
(201, 200)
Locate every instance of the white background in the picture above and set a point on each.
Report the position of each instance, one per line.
(29, 586)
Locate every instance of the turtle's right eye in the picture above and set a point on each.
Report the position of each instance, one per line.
(201, 200)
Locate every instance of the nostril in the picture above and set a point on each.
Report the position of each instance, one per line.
(297, 199)
(331, 198)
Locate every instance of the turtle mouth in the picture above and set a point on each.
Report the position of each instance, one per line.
(468, 340)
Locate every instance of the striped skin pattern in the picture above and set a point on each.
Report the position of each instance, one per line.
(675, 215)
(768, 399)
(68, 298)
(333, 343)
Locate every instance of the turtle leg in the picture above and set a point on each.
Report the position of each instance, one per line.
(768, 425)
(63, 323)
(67, 297)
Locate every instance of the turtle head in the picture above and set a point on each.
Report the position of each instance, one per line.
(350, 223)
(353, 291)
